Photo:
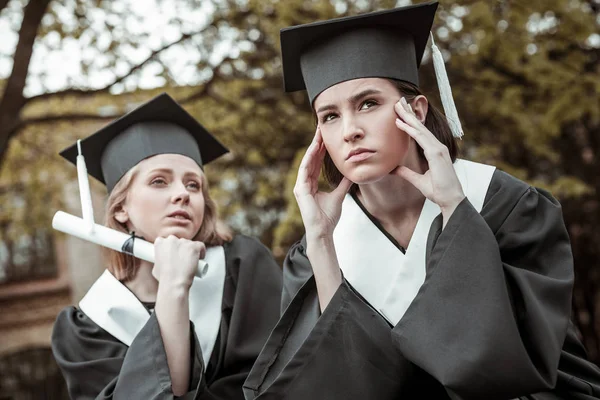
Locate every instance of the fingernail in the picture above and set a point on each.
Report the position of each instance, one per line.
(410, 108)
(403, 101)
(398, 121)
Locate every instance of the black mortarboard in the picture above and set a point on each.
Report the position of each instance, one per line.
(383, 44)
(160, 126)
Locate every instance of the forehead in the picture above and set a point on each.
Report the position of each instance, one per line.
(175, 162)
(345, 90)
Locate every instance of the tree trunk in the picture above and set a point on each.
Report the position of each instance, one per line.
(12, 100)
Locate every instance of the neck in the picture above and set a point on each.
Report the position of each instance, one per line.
(144, 285)
(393, 199)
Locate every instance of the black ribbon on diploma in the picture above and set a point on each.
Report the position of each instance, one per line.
(127, 247)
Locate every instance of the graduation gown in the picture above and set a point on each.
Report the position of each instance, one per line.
(97, 365)
(490, 320)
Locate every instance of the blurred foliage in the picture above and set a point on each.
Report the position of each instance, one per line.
(525, 75)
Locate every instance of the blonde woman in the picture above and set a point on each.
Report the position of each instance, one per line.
(158, 331)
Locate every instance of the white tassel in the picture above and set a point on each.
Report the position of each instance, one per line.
(445, 91)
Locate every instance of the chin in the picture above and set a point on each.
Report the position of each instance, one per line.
(178, 232)
(367, 174)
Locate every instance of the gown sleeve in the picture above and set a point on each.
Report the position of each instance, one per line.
(96, 365)
(344, 353)
(493, 312)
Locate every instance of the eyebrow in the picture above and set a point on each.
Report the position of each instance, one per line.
(170, 171)
(353, 99)
(364, 93)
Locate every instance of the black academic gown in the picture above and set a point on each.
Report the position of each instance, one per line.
(98, 366)
(491, 320)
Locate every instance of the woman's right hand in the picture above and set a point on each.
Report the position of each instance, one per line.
(176, 260)
(320, 210)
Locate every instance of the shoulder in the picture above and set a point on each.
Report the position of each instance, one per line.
(72, 317)
(74, 331)
(245, 253)
(242, 245)
(72, 321)
(509, 197)
(507, 186)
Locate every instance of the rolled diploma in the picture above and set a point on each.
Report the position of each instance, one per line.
(110, 238)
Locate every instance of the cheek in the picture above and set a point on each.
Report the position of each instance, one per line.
(144, 204)
(199, 207)
(396, 145)
(334, 149)
(148, 200)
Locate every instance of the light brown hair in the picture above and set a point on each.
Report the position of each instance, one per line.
(213, 232)
(435, 121)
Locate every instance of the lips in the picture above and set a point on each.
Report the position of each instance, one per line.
(359, 154)
(182, 215)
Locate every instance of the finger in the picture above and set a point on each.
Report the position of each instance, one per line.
(411, 176)
(318, 135)
(435, 152)
(408, 116)
(306, 160)
(156, 272)
(343, 187)
(315, 162)
(431, 149)
(311, 164)
(201, 249)
(413, 132)
(404, 111)
(405, 104)
(416, 134)
(308, 175)
(315, 146)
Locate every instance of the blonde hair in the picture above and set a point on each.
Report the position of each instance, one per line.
(213, 232)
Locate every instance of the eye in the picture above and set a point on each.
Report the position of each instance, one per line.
(368, 104)
(328, 117)
(158, 182)
(193, 185)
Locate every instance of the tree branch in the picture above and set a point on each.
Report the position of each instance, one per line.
(207, 87)
(132, 70)
(57, 118)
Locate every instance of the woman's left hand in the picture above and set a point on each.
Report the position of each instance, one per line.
(440, 183)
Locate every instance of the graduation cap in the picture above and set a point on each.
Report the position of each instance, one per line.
(384, 44)
(160, 126)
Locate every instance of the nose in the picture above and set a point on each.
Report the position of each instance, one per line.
(180, 194)
(352, 131)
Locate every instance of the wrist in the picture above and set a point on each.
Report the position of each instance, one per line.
(175, 285)
(319, 235)
(318, 242)
(448, 210)
(320, 248)
(174, 298)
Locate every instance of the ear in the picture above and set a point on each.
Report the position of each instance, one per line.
(122, 216)
(420, 106)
